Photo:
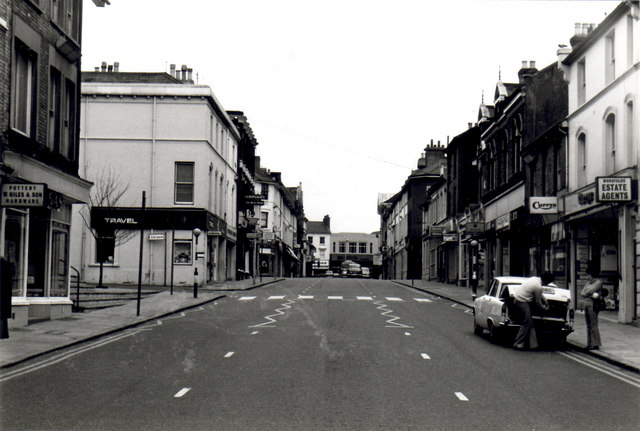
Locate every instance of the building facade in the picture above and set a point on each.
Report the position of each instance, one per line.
(161, 135)
(359, 247)
(319, 239)
(600, 213)
(40, 51)
(401, 222)
(280, 253)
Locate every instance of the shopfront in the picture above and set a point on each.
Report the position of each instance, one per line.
(35, 224)
(602, 231)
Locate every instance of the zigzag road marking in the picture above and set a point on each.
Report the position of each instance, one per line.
(392, 321)
(270, 318)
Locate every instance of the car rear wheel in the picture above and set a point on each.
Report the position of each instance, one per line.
(477, 329)
(494, 333)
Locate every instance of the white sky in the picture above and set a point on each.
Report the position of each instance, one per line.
(342, 95)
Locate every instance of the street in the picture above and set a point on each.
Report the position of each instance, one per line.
(315, 354)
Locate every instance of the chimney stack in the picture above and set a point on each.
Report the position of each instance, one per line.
(116, 66)
(527, 71)
(172, 70)
(103, 67)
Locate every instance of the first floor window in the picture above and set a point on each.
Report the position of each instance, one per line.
(264, 220)
(23, 89)
(184, 182)
(341, 247)
(362, 248)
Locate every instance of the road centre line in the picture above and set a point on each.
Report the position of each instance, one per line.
(305, 296)
(229, 354)
(393, 298)
(181, 393)
(276, 297)
(335, 297)
(461, 396)
(425, 356)
(246, 298)
(364, 298)
(422, 300)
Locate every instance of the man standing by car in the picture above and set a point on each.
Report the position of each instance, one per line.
(528, 292)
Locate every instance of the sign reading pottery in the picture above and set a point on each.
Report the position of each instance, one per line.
(23, 195)
(543, 205)
(613, 189)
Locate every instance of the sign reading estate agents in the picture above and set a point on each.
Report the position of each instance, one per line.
(23, 195)
(613, 189)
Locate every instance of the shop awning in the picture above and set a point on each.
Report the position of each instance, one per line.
(292, 253)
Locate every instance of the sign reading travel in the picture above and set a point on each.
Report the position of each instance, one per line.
(613, 189)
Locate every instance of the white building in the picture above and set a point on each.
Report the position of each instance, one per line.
(319, 236)
(280, 249)
(601, 206)
(161, 134)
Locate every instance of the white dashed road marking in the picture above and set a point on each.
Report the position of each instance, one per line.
(334, 297)
(181, 392)
(305, 296)
(364, 298)
(392, 298)
(407, 334)
(247, 298)
(229, 354)
(425, 356)
(422, 300)
(276, 297)
(461, 396)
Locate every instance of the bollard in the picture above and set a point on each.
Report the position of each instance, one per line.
(195, 283)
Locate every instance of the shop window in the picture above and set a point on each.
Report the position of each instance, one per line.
(182, 252)
(23, 89)
(14, 247)
(59, 260)
(184, 182)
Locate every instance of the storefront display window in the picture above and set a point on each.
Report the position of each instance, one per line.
(182, 252)
(14, 246)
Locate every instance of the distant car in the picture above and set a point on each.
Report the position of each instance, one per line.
(366, 272)
(496, 313)
(354, 270)
(329, 273)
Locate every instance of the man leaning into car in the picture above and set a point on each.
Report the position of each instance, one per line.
(529, 291)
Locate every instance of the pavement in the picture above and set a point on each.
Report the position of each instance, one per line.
(621, 342)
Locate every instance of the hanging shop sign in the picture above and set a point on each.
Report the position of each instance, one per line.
(613, 189)
(450, 237)
(543, 205)
(474, 228)
(155, 236)
(23, 195)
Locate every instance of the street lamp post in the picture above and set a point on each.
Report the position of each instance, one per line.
(474, 267)
(196, 233)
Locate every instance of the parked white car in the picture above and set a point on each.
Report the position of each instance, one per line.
(494, 311)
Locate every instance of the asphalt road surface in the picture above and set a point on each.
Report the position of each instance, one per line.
(316, 354)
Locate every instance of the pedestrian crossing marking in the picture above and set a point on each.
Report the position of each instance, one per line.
(337, 297)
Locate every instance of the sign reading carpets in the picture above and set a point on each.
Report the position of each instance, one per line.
(543, 205)
(613, 189)
(23, 195)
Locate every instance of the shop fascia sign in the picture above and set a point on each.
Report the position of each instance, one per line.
(613, 189)
(450, 237)
(23, 195)
(543, 205)
(503, 222)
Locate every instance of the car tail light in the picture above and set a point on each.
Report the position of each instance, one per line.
(504, 311)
